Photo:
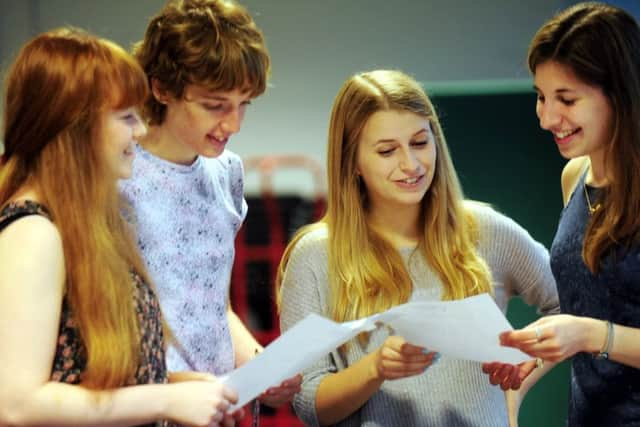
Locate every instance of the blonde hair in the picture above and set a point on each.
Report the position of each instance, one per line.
(366, 273)
(57, 89)
(210, 43)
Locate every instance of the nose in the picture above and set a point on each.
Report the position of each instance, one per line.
(231, 122)
(139, 129)
(409, 162)
(548, 116)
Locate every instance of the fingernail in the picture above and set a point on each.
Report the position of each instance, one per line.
(425, 351)
(435, 359)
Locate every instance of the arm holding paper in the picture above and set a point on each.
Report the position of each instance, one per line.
(332, 389)
(342, 393)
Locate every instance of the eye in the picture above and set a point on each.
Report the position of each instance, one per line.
(387, 152)
(212, 107)
(419, 144)
(129, 117)
(540, 98)
(567, 102)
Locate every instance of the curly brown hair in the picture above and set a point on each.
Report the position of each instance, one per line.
(210, 43)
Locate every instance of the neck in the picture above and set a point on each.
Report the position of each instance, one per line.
(399, 226)
(26, 193)
(160, 142)
(597, 174)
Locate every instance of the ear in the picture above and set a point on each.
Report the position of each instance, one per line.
(159, 92)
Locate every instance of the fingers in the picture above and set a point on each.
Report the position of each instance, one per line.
(288, 386)
(277, 396)
(511, 380)
(401, 346)
(526, 368)
(216, 419)
(508, 376)
(500, 373)
(400, 367)
(489, 367)
(397, 358)
(238, 414)
(521, 337)
(229, 420)
(229, 395)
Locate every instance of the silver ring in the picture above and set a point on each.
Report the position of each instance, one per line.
(539, 362)
(538, 332)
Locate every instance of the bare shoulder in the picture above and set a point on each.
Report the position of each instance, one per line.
(31, 242)
(32, 230)
(571, 175)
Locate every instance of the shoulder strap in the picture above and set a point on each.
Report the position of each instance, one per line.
(29, 208)
(10, 219)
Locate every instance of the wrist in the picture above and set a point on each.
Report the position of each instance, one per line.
(594, 335)
(374, 375)
(607, 343)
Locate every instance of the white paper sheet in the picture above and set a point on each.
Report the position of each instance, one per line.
(463, 329)
(292, 352)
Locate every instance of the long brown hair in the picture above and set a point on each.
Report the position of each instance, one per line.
(601, 45)
(211, 43)
(366, 273)
(56, 91)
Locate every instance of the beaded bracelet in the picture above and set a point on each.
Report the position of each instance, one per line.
(608, 343)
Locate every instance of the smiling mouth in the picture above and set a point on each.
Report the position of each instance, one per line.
(566, 133)
(411, 180)
(219, 141)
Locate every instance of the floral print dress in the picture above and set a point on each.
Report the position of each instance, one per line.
(70, 357)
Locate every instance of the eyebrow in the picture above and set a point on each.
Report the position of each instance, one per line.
(384, 141)
(561, 90)
(212, 97)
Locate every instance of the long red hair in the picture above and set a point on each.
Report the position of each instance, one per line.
(56, 91)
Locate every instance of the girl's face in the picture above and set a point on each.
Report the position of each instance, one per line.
(579, 115)
(119, 132)
(202, 121)
(396, 158)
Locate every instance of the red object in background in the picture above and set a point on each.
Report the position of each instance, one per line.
(269, 225)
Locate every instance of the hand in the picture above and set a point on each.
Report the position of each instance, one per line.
(200, 403)
(508, 376)
(230, 420)
(277, 396)
(396, 358)
(556, 338)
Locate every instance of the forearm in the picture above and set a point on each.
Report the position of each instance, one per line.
(514, 398)
(533, 378)
(625, 347)
(341, 394)
(244, 344)
(625, 341)
(513, 402)
(70, 405)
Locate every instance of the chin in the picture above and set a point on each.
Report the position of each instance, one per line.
(411, 202)
(211, 154)
(124, 174)
(570, 154)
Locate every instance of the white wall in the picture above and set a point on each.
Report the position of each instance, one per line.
(315, 45)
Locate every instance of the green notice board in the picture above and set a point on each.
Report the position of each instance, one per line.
(502, 157)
